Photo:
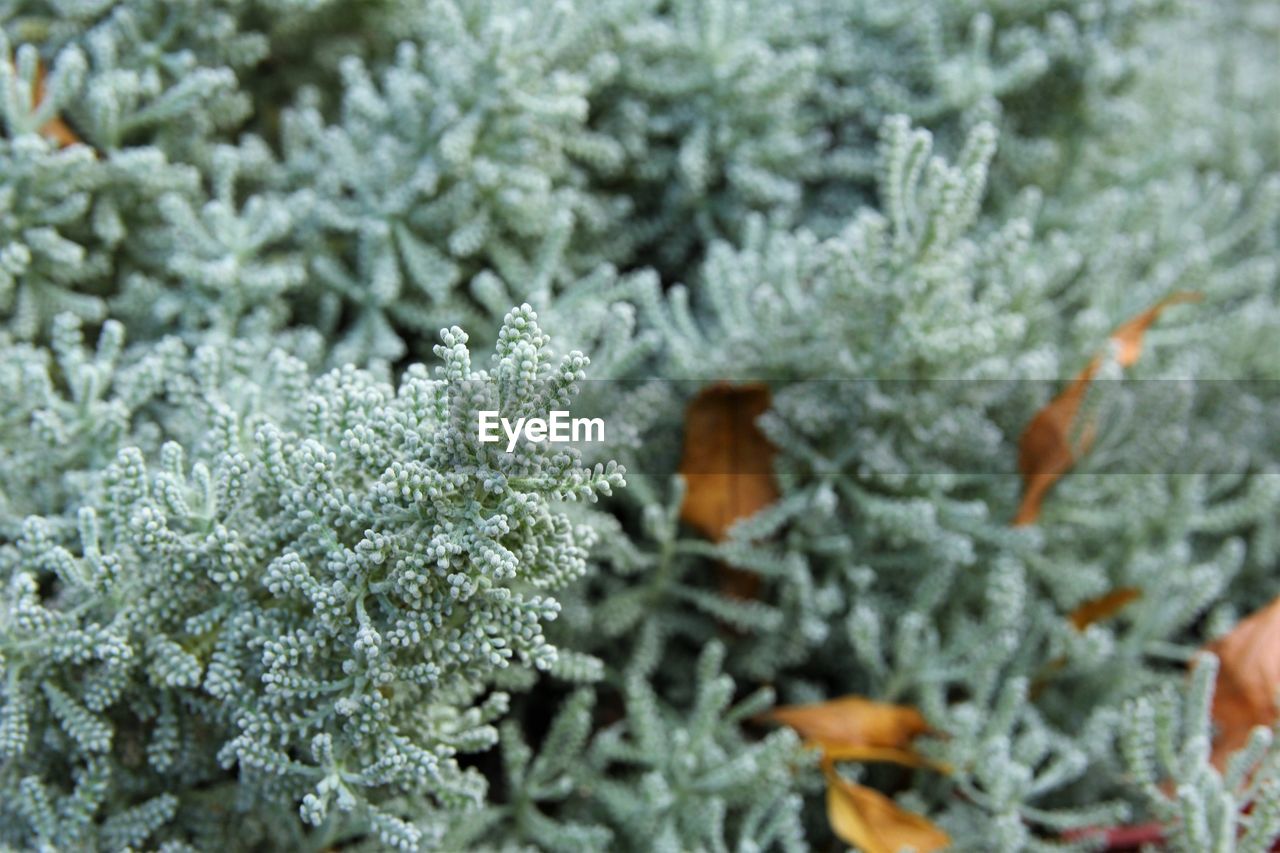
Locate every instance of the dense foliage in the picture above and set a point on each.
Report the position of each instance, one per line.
(264, 588)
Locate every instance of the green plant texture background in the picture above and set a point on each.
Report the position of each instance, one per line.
(262, 588)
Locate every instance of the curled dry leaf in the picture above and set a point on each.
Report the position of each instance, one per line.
(873, 823)
(1053, 441)
(1128, 338)
(1045, 452)
(727, 467)
(1248, 680)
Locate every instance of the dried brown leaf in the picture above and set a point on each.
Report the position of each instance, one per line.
(1103, 607)
(1045, 452)
(728, 469)
(1053, 441)
(873, 823)
(727, 462)
(852, 722)
(1128, 338)
(55, 128)
(1248, 680)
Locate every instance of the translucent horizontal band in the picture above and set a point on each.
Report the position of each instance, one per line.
(895, 428)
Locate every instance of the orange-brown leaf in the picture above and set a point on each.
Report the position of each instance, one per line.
(873, 823)
(55, 128)
(852, 722)
(1082, 617)
(1128, 337)
(1046, 451)
(1097, 609)
(1248, 678)
(727, 462)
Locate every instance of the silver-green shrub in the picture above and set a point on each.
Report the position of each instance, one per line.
(263, 588)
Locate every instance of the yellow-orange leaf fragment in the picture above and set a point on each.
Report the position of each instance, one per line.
(851, 723)
(1046, 451)
(873, 823)
(1104, 607)
(55, 128)
(727, 462)
(1248, 678)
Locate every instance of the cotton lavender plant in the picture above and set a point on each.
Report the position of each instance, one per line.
(267, 586)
